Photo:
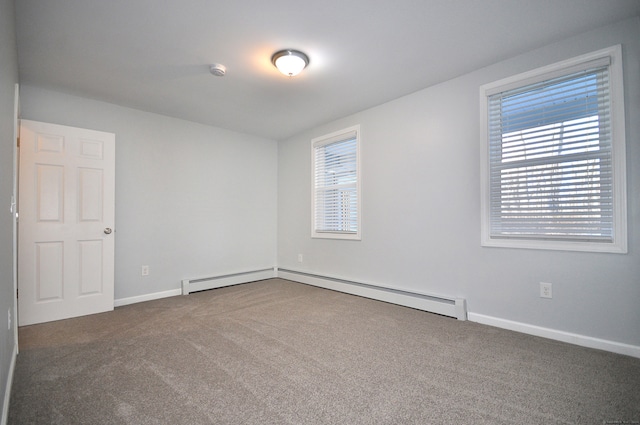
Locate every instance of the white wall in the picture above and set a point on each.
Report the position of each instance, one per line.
(421, 209)
(8, 79)
(191, 200)
(194, 200)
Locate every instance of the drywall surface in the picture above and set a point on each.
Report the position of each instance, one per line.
(191, 200)
(421, 208)
(8, 79)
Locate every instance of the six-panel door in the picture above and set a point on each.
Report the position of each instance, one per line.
(65, 223)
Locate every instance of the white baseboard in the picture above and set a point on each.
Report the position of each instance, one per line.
(146, 297)
(392, 295)
(447, 306)
(230, 279)
(571, 338)
(201, 284)
(8, 385)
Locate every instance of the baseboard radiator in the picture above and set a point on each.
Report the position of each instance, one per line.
(446, 306)
(212, 282)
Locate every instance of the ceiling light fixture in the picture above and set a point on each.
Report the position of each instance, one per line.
(290, 62)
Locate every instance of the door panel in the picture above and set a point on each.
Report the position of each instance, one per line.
(66, 201)
(90, 267)
(49, 193)
(90, 196)
(49, 273)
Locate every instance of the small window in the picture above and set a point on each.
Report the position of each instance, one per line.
(553, 157)
(336, 197)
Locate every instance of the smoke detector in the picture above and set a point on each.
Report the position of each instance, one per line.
(218, 70)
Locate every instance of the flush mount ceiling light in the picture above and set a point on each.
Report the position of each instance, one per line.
(290, 62)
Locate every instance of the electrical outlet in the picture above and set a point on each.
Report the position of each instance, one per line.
(300, 258)
(145, 270)
(546, 290)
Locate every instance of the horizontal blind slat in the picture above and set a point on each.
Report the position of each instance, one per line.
(550, 158)
(335, 183)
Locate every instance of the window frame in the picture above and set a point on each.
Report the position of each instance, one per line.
(618, 154)
(335, 137)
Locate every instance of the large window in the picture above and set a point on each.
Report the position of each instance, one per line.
(554, 157)
(336, 185)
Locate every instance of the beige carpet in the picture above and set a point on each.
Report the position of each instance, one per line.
(278, 352)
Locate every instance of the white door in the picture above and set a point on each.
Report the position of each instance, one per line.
(65, 223)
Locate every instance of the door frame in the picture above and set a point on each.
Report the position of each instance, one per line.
(14, 209)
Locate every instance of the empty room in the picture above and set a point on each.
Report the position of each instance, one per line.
(337, 212)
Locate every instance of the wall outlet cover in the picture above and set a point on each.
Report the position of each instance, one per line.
(546, 290)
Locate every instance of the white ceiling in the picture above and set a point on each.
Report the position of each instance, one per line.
(154, 55)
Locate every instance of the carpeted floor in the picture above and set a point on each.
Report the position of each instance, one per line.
(279, 352)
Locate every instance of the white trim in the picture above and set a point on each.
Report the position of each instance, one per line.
(336, 136)
(447, 306)
(229, 279)
(590, 60)
(568, 337)
(618, 141)
(8, 385)
(146, 297)
(14, 208)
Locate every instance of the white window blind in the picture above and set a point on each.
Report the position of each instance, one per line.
(335, 190)
(551, 157)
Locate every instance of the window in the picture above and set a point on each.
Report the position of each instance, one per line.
(336, 185)
(553, 157)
